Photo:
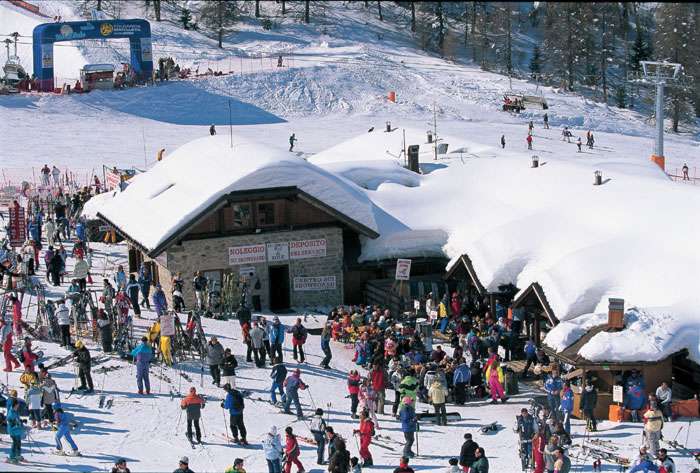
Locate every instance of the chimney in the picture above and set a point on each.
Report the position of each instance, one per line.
(616, 314)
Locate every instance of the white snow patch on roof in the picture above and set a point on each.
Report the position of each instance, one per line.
(187, 181)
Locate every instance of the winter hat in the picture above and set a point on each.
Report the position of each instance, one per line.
(193, 390)
(319, 411)
(185, 460)
(408, 400)
(237, 461)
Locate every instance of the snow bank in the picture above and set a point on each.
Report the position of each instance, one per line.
(194, 176)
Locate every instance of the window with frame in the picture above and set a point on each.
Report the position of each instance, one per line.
(266, 213)
(237, 216)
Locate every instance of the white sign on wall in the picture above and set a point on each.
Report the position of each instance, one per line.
(307, 248)
(247, 272)
(618, 395)
(277, 252)
(246, 254)
(167, 325)
(314, 283)
(403, 269)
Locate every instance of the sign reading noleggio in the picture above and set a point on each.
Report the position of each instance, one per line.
(246, 254)
(317, 283)
(307, 249)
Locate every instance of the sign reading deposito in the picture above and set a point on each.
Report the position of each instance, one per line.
(167, 325)
(314, 283)
(307, 248)
(246, 254)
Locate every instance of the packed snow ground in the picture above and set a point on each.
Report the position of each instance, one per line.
(145, 429)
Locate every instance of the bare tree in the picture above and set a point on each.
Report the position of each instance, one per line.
(257, 8)
(413, 17)
(379, 9)
(306, 12)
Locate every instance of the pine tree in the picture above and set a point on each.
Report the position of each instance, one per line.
(219, 15)
(536, 61)
(186, 18)
(676, 40)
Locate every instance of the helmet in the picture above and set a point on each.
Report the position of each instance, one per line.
(79, 344)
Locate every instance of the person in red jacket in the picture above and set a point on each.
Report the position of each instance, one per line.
(366, 432)
(291, 451)
(10, 359)
(529, 141)
(16, 315)
(28, 356)
(379, 377)
(354, 382)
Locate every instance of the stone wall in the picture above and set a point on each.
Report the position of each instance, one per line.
(213, 254)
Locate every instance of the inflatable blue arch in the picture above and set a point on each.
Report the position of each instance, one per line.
(45, 35)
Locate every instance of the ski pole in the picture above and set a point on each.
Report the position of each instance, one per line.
(223, 413)
(312, 398)
(178, 422)
(417, 449)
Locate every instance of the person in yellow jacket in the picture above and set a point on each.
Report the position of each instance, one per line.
(438, 395)
(153, 333)
(495, 379)
(441, 322)
(165, 350)
(237, 467)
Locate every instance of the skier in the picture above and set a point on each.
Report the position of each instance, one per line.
(591, 140)
(326, 346)
(366, 432)
(63, 318)
(566, 406)
(481, 464)
(530, 127)
(256, 340)
(338, 455)
(317, 426)
(15, 429)
(212, 130)
(526, 427)
(82, 356)
(460, 380)
(49, 230)
(215, 356)
(54, 267)
(685, 172)
(193, 404)
(132, 289)
(292, 139)
(653, 424)
(228, 368)
(275, 333)
(56, 173)
(120, 278)
(529, 141)
(299, 334)
(403, 466)
(120, 466)
(664, 396)
(237, 467)
(184, 466)
(45, 173)
(552, 386)
(562, 464)
(292, 385)
(566, 134)
(6, 334)
(409, 386)
(589, 399)
(368, 401)
(665, 461)
(494, 377)
(143, 355)
(64, 422)
(409, 425)
(27, 356)
(546, 121)
(578, 144)
(538, 444)
(235, 404)
(278, 375)
(200, 285)
(272, 446)
(354, 381)
(292, 451)
(145, 280)
(503, 141)
(159, 302)
(438, 395)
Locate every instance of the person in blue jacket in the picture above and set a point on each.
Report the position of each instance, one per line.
(409, 425)
(275, 333)
(16, 431)
(566, 405)
(553, 386)
(460, 379)
(644, 466)
(63, 421)
(235, 404)
(635, 399)
(160, 303)
(326, 346)
(145, 279)
(80, 231)
(143, 354)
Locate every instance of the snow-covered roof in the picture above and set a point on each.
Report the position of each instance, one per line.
(188, 181)
(634, 237)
